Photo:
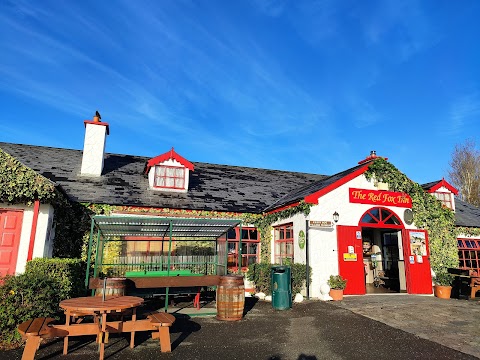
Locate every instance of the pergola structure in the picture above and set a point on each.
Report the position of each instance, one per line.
(126, 228)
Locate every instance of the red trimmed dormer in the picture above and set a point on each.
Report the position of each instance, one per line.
(169, 172)
(443, 191)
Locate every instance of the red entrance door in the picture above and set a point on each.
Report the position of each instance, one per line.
(350, 259)
(10, 229)
(417, 265)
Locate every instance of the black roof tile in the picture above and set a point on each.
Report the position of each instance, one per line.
(123, 182)
(466, 214)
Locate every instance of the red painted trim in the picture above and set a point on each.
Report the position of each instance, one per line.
(371, 157)
(441, 183)
(313, 198)
(36, 210)
(98, 123)
(167, 156)
(285, 207)
(381, 222)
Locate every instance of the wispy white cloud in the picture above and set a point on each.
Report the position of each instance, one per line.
(464, 111)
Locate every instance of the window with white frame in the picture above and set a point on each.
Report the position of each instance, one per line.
(283, 236)
(445, 198)
(170, 177)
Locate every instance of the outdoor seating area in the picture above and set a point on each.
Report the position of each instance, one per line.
(466, 283)
(103, 310)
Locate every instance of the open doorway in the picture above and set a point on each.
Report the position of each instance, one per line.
(381, 257)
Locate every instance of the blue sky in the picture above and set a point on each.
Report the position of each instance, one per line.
(309, 86)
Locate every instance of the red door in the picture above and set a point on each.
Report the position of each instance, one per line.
(10, 229)
(417, 264)
(350, 258)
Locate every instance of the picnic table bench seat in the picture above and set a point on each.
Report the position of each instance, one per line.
(34, 330)
(162, 321)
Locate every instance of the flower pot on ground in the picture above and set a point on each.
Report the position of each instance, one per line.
(443, 284)
(337, 285)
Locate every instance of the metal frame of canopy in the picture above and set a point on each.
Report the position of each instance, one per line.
(117, 227)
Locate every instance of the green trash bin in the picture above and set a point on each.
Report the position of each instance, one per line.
(281, 287)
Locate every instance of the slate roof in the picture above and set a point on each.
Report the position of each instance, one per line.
(466, 214)
(300, 193)
(123, 182)
(429, 185)
(212, 187)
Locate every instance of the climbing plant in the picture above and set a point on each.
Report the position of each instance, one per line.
(428, 213)
(264, 225)
(22, 185)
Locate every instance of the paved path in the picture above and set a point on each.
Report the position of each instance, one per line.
(312, 330)
(453, 323)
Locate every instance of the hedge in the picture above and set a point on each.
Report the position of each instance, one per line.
(37, 293)
(260, 275)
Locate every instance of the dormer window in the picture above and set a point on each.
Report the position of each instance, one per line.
(170, 177)
(443, 191)
(168, 172)
(445, 198)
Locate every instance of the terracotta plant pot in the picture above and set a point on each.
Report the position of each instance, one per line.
(336, 294)
(442, 292)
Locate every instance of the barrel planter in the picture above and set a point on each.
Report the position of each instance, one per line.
(113, 286)
(230, 298)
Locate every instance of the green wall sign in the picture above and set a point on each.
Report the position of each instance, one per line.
(301, 239)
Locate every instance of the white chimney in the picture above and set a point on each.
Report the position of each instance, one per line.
(94, 146)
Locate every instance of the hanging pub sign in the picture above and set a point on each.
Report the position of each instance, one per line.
(377, 197)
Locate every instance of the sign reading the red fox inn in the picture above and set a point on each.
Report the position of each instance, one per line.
(376, 197)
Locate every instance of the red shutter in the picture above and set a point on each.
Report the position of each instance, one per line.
(353, 271)
(416, 255)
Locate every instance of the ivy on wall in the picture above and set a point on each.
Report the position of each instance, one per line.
(428, 213)
(22, 185)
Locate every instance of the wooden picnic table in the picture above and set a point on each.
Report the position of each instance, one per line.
(99, 307)
(35, 330)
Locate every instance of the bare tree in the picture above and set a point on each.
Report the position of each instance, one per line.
(465, 172)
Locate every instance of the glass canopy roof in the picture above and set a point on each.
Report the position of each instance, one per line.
(178, 228)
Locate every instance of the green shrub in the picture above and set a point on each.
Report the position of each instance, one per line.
(260, 275)
(69, 274)
(443, 278)
(336, 282)
(24, 297)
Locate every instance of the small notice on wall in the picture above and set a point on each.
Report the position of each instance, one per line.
(411, 259)
(420, 259)
(349, 257)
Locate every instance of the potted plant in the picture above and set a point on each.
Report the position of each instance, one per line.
(443, 284)
(337, 285)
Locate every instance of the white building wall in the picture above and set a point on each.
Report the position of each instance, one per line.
(322, 242)
(43, 245)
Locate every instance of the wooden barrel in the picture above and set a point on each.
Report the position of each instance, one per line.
(113, 286)
(230, 298)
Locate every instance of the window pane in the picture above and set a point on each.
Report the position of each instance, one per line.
(289, 248)
(368, 219)
(232, 234)
(253, 234)
(244, 234)
(375, 213)
(252, 248)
